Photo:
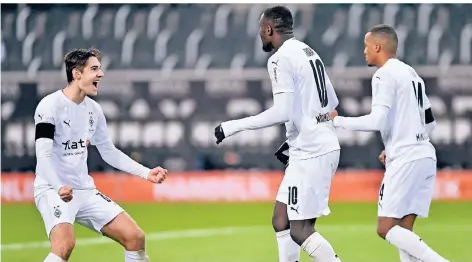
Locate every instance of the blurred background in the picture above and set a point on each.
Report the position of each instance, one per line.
(175, 71)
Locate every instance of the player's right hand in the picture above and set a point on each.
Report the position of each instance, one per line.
(382, 157)
(65, 193)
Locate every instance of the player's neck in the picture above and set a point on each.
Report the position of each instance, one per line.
(74, 93)
(383, 60)
(283, 38)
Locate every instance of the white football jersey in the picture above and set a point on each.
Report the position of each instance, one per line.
(76, 126)
(298, 69)
(397, 86)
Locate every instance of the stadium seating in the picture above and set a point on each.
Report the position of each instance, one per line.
(36, 37)
(174, 128)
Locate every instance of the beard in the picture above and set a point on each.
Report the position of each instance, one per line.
(370, 65)
(267, 47)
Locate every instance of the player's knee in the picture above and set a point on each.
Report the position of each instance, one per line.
(384, 225)
(280, 223)
(408, 221)
(382, 230)
(300, 230)
(64, 247)
(62, 240)
(135, 240)
(297, 235)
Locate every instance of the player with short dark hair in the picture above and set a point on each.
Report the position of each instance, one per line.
(401, 111)
(67, 122)
(303, 98)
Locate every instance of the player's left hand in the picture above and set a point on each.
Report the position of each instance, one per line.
(333, 114)
(157, 175)
(219, 134)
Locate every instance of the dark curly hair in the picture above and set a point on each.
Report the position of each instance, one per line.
(281, 17)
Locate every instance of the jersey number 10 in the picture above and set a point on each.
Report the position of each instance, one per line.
(319, 74)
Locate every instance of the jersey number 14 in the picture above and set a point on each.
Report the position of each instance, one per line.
(319, 74)
(418, 88)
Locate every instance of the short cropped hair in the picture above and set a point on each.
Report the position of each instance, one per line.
(281, 17)
(386, 31)
(77, 59)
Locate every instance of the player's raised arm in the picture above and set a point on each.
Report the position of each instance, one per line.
(282, 88)
(119, 160)
(44, 140)
(383, 94)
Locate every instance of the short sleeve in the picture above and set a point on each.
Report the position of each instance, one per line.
(44, 112)
(383, 90)
(281, 75)
(101, 135)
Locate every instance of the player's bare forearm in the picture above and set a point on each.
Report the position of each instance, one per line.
(119, 160)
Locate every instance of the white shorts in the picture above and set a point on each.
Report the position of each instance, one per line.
(306, 185)
(90, 208)
(407, 189)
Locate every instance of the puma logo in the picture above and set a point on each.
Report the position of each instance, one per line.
(275, 62)
(296, 210)
(67, 123)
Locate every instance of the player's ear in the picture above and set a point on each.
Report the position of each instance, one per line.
(76, 73)
(270, 31)
(377, 48)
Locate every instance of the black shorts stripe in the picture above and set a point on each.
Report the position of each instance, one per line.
(44, 130)
(428, 116)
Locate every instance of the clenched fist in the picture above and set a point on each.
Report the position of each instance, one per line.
(65, 193)
(157, 175)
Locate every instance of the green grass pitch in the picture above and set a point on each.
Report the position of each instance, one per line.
(237, 232)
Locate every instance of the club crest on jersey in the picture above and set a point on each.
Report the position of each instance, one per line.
(57, 212)
(91, 120)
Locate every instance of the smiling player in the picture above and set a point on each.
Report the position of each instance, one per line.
(67, 121)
